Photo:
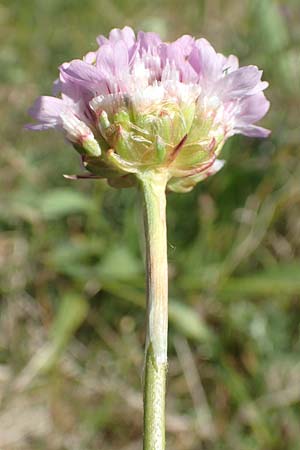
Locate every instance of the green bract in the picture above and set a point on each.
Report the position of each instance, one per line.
(176, 138)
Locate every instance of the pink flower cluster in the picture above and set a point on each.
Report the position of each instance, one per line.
(206, 96)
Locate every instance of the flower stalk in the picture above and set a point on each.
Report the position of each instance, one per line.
(153, 186)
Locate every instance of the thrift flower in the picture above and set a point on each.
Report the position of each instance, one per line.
(139, 110)
(137, 103)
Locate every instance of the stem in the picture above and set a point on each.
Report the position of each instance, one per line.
(153, 186)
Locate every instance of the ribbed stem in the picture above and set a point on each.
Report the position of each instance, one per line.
(153, 186)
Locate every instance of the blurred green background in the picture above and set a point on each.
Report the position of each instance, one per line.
(72, 277)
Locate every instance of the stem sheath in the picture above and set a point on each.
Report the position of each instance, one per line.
(153, 186)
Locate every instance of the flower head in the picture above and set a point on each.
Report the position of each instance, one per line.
(137, 103)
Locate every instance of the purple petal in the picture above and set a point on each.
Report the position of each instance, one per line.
(184, 44)
(230, 64)
(252, 131)
(205, 60)
(241, 82)
(102, 40)
(85, 75)
(38, 126)
(47, 110)
(177, 53)
(124, 63)
(121, 59)
(253, 108)
(126, 34)
(90, 57)
(80, 71)
(148, 40)
(112, 59)
(105, 60)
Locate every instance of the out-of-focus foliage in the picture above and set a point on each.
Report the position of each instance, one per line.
(72, 281)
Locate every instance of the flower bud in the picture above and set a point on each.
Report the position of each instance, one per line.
(80, 134)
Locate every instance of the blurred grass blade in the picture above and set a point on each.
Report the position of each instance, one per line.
(270, 24)
(72, 311)
(188, 322)
(283, 279)
(62, 202)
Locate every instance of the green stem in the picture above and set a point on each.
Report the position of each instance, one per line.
(153, 186)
